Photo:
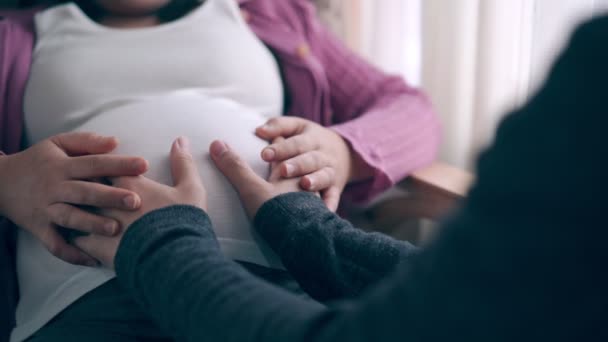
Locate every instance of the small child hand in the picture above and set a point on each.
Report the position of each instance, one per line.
(317, 154)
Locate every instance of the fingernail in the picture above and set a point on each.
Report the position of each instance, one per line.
(310, 182)
(183, 143)
(268, 154)
(112, 141)
(218, 148)
(130, 201)
(289, 170)
(110, 228)
(139, 164)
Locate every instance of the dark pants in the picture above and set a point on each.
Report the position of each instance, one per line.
(108, 313)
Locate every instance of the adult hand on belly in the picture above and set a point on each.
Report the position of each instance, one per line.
(147, 126)
(253, 190)
(44, 184)
(187, 189)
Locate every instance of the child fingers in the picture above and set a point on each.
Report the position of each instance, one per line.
(319, 180)
(290, 148)
(304, 164)
(283, 126)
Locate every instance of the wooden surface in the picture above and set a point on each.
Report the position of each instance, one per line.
(442, 178)
(430, 193)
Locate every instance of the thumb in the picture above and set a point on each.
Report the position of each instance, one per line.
(234, 168)
(183, 167)
(281, 127)
(83, 143)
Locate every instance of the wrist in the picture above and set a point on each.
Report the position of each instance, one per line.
(360, 170)
(357, 169)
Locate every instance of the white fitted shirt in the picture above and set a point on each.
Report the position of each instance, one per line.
(205, 76)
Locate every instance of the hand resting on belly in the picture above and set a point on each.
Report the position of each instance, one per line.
(147, 127)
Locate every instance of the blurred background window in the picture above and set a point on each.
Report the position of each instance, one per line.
(477, 59)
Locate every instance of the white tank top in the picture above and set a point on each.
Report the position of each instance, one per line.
(205, 76)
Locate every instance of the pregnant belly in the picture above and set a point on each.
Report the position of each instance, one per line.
(147, 129)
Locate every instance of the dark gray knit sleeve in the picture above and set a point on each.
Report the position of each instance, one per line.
(327, 255)
(170, 261)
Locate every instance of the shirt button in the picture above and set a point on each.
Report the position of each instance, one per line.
(246, 15)
(303, 50)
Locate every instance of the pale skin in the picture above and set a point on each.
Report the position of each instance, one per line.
(188, 190)
(42, 191)
(44, 185)
(323, 159)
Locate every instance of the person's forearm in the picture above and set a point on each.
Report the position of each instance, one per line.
(327, 255)
(174, 251)
(170, 262)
